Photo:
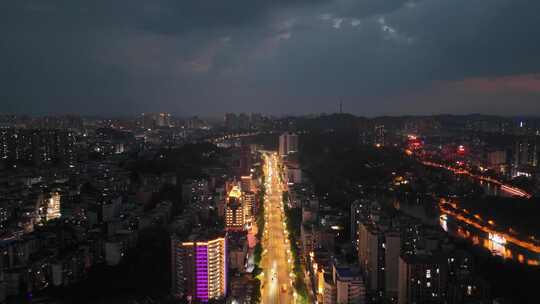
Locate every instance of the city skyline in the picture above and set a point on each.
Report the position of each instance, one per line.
(269, 151)
(257, 209)
(378, 57)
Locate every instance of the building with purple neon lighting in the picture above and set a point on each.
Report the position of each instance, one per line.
(199, 267)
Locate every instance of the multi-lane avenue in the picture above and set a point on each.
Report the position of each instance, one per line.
(276, 260)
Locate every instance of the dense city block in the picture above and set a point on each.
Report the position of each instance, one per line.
(260, 209)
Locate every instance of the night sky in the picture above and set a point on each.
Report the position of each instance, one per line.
(207, 57)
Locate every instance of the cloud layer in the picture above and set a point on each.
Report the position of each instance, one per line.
(209, 57)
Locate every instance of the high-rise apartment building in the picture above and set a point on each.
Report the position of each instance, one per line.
(234, 210)
(248, 200)
(37, 146)
(199, 267)
(440, 277)
(288, 143)
(422, 279)
(376, 259)
(246, 183)
(350, 286)
(526, 152)
(243, 121)
(380, 135)
(355, 217)
(496, 158)
(163, 120)
(526, 156)
(53, 207)
(344, 286)
(245, 160)
(256, 120)
(378, 253)
(156, 120)
(231, 122)
(392, 244)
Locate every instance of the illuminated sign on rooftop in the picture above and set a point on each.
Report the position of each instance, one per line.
(235, 192)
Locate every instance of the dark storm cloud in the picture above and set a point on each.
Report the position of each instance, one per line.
(406, 48)
(202, 56)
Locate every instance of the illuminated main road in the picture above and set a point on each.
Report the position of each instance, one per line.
(276, 260)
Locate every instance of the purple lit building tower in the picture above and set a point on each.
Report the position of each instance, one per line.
(199, 268)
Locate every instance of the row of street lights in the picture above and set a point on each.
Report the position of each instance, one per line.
(287, 242)
(272, 164)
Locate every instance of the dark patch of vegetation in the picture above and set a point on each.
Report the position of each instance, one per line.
(293, 220)
(257, 252)
(507, 279)
(145, 273)
(341, 166)
(188, 160)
